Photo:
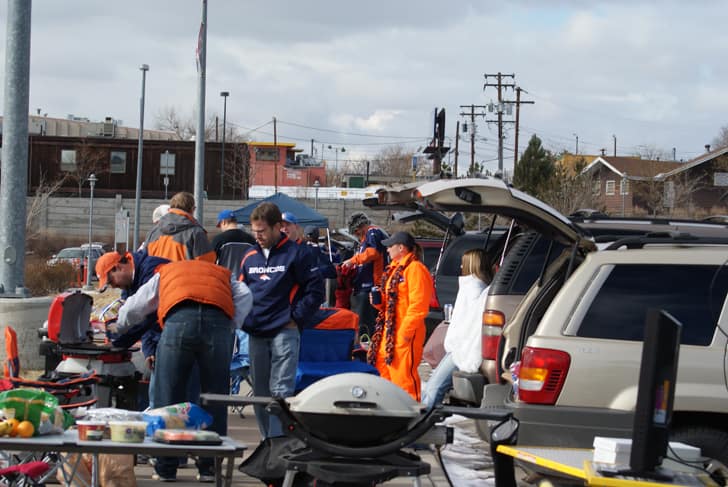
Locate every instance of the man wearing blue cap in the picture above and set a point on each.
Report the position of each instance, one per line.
(290, 227)
(227, 222)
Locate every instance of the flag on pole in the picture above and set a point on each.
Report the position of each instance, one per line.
(198, 50)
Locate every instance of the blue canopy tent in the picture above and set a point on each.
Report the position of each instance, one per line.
(304, 214)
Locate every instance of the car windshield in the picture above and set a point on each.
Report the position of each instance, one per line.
(70, 253)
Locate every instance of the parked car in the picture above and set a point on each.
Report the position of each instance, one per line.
(78, 256)
(577, 245)
(584, 335)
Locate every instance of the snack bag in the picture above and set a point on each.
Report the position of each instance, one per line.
(37, 406)
(184, 415)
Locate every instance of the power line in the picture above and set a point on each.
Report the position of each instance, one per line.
(354, 134)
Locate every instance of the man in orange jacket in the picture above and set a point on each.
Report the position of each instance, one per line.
(198, 305)
(399, 333)
(177, 235)
(369, 262)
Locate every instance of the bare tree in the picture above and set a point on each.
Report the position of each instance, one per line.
(89, 160)
(684, 185)
(238, 171)
(652, 153)
(569, 188)
(168, 118)
(43, 192)
(395, 162)
(721, 140)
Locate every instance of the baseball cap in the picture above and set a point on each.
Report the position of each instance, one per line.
(289, 217)
(225, 215)
(159, 212)
(105, 264)
(356, 220)
(403, 238)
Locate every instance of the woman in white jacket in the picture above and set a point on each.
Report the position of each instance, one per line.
(463, 336)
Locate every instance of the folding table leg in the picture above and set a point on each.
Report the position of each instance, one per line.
(288, 479)
(229, 471)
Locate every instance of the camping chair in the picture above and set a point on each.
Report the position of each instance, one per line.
(326, 349)
(71, 392)
(231, 254)
(31, 473)
(240, 368)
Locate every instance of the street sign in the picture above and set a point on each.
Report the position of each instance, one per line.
(121, 229)
(414, 163)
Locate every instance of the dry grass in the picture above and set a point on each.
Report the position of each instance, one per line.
(43, 279)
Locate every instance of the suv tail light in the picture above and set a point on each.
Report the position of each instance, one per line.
(493, 322)
(542, 375)
(434, 303)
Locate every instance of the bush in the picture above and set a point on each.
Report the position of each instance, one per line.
(45, 244)
(42, 279)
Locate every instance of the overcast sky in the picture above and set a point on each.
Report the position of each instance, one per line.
(368, 75)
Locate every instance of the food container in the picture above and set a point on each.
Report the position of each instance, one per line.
(91, 430)
(128, 431)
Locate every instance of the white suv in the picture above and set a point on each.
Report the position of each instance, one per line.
(579, 370)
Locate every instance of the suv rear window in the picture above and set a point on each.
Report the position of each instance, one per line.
(693, 294)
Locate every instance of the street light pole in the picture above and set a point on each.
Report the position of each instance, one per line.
(224, 95)
(166, 172)
(336, 156)
(138, 197)
(92, 182)
(316, 186)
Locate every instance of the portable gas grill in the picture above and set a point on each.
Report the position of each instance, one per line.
(70, 350)
(355, 427)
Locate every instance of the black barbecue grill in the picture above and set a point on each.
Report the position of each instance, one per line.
(354, 427)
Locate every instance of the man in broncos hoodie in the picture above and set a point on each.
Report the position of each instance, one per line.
(275, 270)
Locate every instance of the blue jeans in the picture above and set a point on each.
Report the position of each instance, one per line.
(193, 388)
(193, 334)
(439, 382)
(273, 362)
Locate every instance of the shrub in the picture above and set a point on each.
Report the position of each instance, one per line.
(42, 279)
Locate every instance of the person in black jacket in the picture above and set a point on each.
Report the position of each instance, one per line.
(227, 222)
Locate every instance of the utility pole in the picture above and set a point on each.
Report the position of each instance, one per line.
(312, 148)
(614, 137)
(472, 115)
(457, 140)
(275, 164)
(472, 140)
(200, 135)
(14, 178)
(500, 86)
(518, 117)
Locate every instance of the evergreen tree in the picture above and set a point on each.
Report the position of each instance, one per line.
(534, 171)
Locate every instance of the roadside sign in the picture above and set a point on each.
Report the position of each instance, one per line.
(121, 229)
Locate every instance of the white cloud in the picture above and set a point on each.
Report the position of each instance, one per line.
(649, 72)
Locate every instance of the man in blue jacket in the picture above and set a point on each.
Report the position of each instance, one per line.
(275, 270)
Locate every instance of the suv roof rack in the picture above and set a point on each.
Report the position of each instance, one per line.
(576, 218)
(638, 242)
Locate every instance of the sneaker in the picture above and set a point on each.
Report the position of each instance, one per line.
(205, 477)
(156, 476)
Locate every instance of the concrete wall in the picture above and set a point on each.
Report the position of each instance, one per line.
(68, 217)
(25, 316)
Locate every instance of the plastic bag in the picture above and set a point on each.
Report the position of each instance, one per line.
(184, 415)
(112, 414)
(37, 406)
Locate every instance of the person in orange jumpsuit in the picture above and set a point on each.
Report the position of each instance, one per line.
(399, 334)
